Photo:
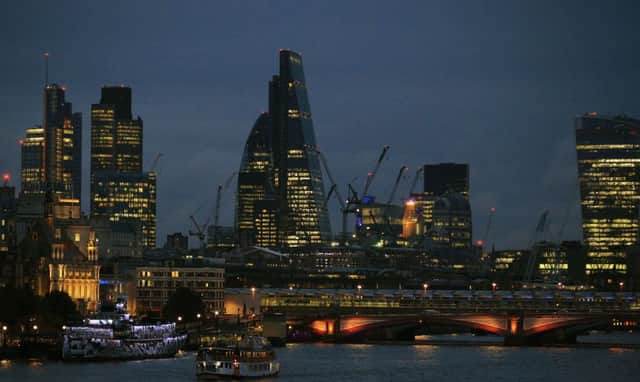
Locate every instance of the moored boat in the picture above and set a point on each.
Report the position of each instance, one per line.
(120, 339)
(251, 357)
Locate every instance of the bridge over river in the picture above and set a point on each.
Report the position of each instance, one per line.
(521, 317)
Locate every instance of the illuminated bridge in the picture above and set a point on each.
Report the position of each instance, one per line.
(540, 316)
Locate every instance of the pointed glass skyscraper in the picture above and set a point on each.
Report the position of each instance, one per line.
(303, 218)
(280, 200)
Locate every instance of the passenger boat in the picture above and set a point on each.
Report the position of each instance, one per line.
(251, 357)
(120, 339)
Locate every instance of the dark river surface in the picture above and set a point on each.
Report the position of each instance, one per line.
(481, 361)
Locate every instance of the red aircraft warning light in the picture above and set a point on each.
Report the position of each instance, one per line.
(6, 178)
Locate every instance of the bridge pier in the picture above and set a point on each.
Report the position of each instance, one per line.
(516, 335)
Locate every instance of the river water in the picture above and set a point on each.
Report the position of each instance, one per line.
(400, 362)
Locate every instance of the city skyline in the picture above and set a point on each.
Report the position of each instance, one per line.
(519, 174)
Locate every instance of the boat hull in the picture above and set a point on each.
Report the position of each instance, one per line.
(103, 349)
(243, 370)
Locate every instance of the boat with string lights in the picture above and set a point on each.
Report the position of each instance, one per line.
(251, 357)
(120, 339)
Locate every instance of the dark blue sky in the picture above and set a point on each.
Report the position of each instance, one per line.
(495, 84)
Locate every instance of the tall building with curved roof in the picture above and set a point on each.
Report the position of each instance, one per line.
(255, 180)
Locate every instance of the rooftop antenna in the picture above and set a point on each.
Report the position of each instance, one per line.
(46, 69)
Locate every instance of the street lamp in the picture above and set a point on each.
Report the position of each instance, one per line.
(425, 286)
(215, 314)
(621, 284)
(198, 316)
(493, 286)
(359, 288)
(35, 327)
(179, 318)
(4, 328)
(560, 285)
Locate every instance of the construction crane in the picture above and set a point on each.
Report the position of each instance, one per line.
(397, 182)
(154, 164)
(415, 179)
(371, 176)
(323, 160)
(216, 213)
(200, 231)
(537, 236)
(333, 190)
(485, 237)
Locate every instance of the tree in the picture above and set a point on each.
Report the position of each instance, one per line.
(58, 309)
(19, 305)
(183, 303)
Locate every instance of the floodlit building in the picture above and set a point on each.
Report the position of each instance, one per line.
(57, 251)
(155, 284)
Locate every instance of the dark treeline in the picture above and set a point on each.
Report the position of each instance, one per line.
(22, 309)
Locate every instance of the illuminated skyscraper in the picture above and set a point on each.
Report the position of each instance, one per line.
(127, 198)
(52, 153)
(56, 111)
(255, 179)
(72, 156)
(451, 224)
(32, 168)
(116, 138)
(266, 213)
(303, 216)
(120, 190)
(608, 151)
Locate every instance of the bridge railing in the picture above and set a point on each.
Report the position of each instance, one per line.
(449, 301)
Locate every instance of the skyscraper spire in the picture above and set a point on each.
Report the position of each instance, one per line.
(46, 69)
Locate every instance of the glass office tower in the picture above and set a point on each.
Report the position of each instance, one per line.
(608, 150)
(303, 216)
(255, 179)
(120, 190)
(52, 153)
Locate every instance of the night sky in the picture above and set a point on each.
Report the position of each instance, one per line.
(495, 84)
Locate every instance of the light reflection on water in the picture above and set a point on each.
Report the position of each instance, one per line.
(401, 362)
